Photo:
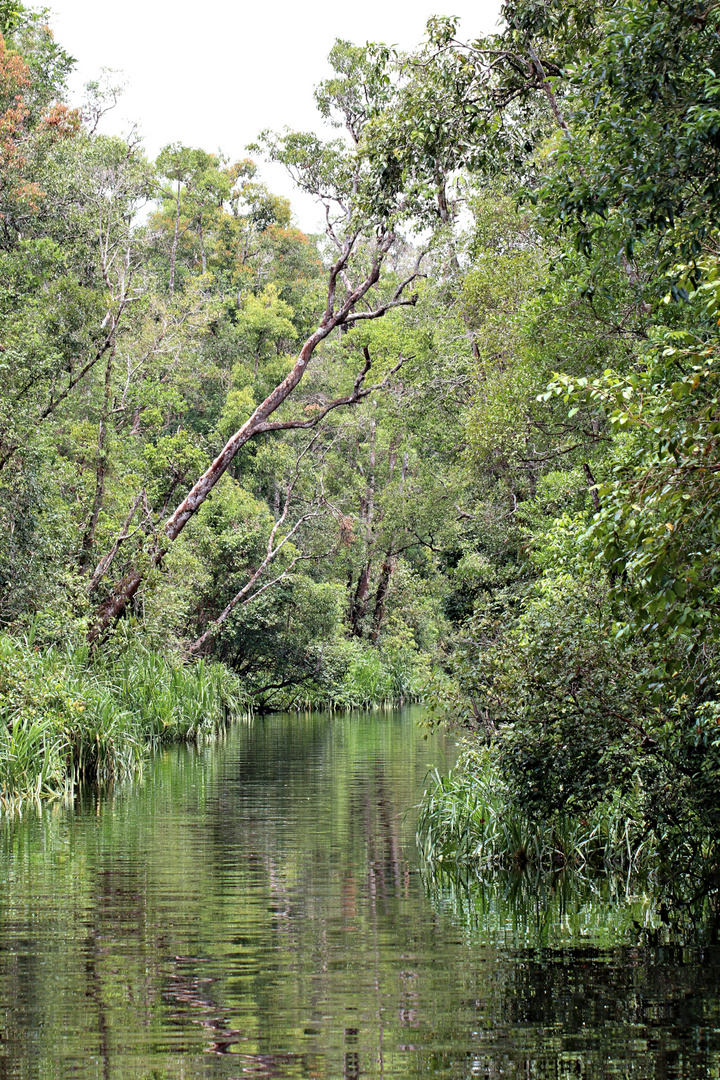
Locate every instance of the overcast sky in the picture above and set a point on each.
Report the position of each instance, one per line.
(215, 73)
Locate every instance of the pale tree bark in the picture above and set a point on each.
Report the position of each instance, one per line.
(240, 598)
(104, 565)
(338, 312)
(547, 89)
(553, 102)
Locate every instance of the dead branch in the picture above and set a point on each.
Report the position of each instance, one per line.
(103, 566)
(358, 393)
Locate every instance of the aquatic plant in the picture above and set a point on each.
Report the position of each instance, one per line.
(467, 820)
(68, 717)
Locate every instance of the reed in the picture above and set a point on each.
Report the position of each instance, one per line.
(68, 718)
(467, 822)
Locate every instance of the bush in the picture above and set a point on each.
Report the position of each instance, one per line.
(468, 822)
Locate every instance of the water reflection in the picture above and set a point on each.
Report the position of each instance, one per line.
(256, 910)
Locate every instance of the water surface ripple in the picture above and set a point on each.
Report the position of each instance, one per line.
(256, 910)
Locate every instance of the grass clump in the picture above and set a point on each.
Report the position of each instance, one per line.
(68, 718)
(468, 822)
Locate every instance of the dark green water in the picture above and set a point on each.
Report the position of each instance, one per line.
(256, 910)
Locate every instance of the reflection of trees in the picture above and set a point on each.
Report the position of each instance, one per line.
(644, 1006)
(81, 976)
(351, 1057)
(325, 824)
(559, 1009)
(189, 1000)
(340, 886)
(387, 869)
(270, 925)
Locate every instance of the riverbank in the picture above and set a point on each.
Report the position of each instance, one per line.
(351, 674)
(469, 824)
(470, 827)
(68, 718)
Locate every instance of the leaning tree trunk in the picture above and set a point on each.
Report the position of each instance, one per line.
(114, 606)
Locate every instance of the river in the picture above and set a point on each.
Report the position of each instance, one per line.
(256, 909)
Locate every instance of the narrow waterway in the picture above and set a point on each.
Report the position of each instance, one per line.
(256, 909)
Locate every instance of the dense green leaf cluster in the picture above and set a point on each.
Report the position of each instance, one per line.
(586, 656)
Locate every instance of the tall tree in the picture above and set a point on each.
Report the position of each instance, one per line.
(362, 218)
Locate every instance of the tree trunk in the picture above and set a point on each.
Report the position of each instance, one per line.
(257, 424)
(358, 609)
(360, 601)
(104, 565)
(113, 607)
(381, 594)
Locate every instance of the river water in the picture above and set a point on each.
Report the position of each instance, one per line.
(256, 909)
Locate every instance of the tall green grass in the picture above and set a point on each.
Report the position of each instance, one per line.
(68, 718)
(467, 822)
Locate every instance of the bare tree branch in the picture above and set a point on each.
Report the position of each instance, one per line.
(333, 317)
(103, 566)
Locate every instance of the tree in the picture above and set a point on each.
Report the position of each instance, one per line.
(339, 176)
(202, 187)
(591, 667)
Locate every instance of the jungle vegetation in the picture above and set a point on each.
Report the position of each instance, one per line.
(463, 446)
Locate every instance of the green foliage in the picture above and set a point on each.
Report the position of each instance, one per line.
(657, 530)
(468, 822)
(644, 130)
(584, 610)
(10, 14)
(520, 522)
(350, 674)
(67, 718)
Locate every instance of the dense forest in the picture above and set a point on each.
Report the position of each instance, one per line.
(462, 447)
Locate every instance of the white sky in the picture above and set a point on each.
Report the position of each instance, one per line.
(215, 73)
